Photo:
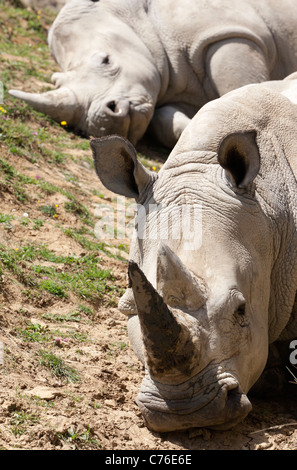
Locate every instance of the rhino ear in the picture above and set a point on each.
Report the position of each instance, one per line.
(118, 168)
(239, 155)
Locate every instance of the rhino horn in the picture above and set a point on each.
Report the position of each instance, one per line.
(177, 284)
(171, 349)
(59, 104)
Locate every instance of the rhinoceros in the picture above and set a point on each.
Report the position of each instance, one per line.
(128, 67)
(205, 302)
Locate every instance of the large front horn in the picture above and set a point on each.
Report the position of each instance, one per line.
(170, 338)
(59, 104)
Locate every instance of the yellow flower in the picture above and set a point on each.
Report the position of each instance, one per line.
(63, 123)
(16, 249)
(55, 215)
(57, 205)
(153, 168)
(3, 110)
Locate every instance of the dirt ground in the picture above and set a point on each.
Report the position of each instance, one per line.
(42, 410)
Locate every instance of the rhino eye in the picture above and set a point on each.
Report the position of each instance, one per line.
(240, 310)
(105, 60)
(240, 317)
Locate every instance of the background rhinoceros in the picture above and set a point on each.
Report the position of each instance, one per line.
(206, 301)
(125, 65)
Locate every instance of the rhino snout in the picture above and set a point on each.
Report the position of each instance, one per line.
(111, 117)
(211, 403)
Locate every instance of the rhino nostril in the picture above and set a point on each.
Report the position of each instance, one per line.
(112, 106)
(232, 393)
(119, 108)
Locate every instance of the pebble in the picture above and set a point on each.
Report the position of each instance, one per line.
(45, 393)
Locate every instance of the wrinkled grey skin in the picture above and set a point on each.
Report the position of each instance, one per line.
(138, 63)
(203, 311)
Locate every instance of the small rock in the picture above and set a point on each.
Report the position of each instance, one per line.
(44, 393)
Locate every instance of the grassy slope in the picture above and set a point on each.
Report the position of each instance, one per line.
(57, 280)
(35, 151)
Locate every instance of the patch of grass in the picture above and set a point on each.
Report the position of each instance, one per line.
(22, 140)
(5, 219)
(70, 178)
(50, 188)
(38, 223)
(81, 275)
(25, 222)
(49, 210)
(53, 288)
(124, 247)
(34, 332)
(116, 348)
(89, 245)
(38, 139)
(20, 420)
(74, 316)
(63, 317)
(80, 439)
(97, 193)
(9, 260)
(58, 367)
(84, 309)
(47, 187)
(15, 181)
(79, 209)
(83, 145)
(20, 193)
(7, 169)
(39, 401)
(77, 336)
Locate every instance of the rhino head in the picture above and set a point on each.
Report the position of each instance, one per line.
(109, 82)
(197, 311)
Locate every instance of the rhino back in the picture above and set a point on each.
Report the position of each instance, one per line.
(193, 26)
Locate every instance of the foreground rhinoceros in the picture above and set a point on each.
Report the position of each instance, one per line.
(213, 270)
(129, 64)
